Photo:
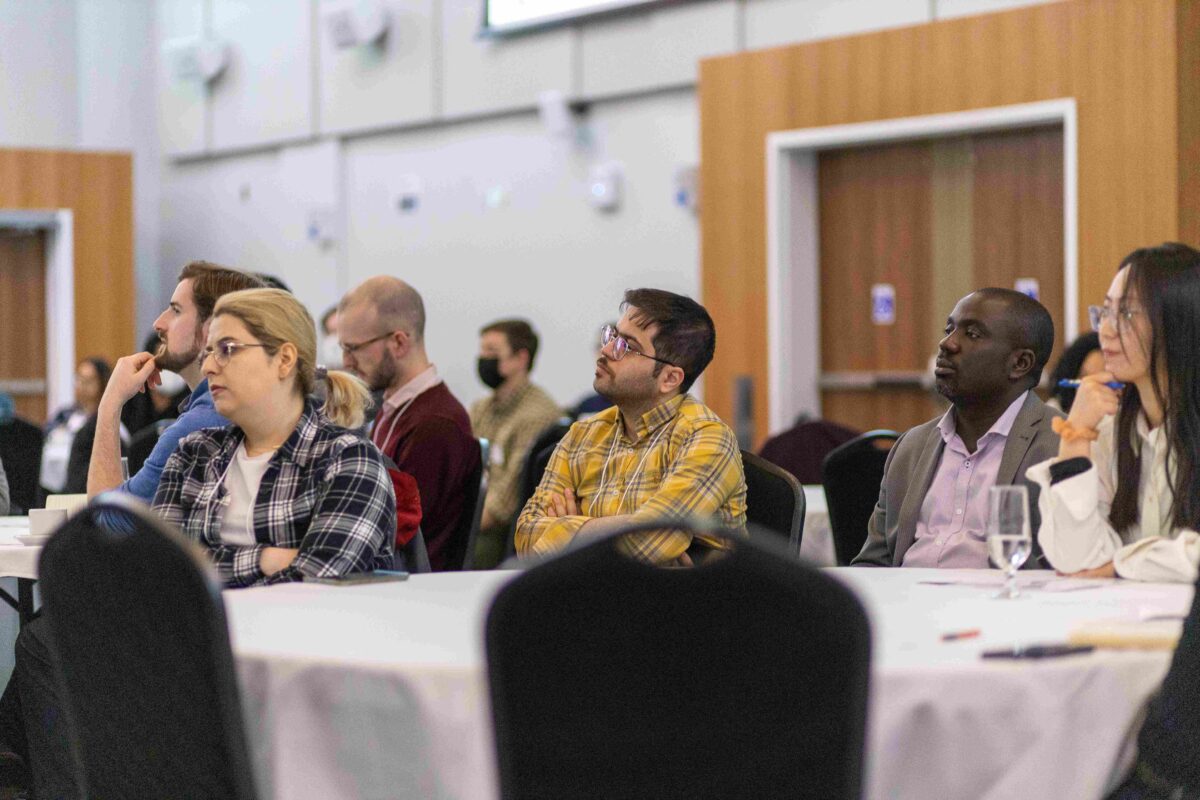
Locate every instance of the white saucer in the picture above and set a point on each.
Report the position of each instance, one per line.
(33, 540)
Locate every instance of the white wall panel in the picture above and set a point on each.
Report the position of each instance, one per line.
(245, 212)
(117, 58)
(391, 83)
(266, 93)
(655, 48)
(770, 23)
(944, 9)
(37, 74)
(542, 252)
(182, 105)
(483, 75)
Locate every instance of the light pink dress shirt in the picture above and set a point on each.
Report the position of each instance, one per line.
(952, 527)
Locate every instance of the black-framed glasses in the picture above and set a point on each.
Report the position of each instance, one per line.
(621, 345)
(1098, 315)
(225, 350)
(351, 349)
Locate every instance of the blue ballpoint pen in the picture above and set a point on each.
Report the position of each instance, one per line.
(1067, 383)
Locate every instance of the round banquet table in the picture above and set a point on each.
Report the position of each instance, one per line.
(380, 690)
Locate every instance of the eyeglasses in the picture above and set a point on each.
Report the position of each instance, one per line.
(621, 345)
(225, 350)
(351, 349)
(1098, 315)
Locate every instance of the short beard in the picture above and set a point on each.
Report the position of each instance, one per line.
(174, 362)
(385, 375)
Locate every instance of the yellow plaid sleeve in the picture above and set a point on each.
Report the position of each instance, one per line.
(536, 532)
(705, 479)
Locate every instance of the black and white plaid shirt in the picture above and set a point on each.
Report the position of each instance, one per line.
(328, 493)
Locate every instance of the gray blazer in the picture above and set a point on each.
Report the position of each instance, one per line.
(913, 462)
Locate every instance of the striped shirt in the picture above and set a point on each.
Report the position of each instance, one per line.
(683, 462)
(325, 492)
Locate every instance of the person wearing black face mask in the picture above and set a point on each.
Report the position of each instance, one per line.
(511, 419)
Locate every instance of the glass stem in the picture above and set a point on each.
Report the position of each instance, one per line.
(1010, 582)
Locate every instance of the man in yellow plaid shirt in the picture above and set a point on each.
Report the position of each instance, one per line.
(657, 453)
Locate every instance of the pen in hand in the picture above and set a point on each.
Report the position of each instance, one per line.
(1068, 383)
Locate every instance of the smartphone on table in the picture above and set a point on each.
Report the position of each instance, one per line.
(360, 578)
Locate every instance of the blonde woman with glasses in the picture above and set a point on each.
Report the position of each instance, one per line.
(288, 490)
(1122, 499)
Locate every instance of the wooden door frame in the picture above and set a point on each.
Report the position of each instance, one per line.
(58, 226)
(793, 226)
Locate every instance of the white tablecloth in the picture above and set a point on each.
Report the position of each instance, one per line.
(379, 691)
(16, 560)
(816, 546)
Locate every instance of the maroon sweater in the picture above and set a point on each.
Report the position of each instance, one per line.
(432, 441)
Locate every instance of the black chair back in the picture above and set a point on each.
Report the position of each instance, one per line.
(531, 472)
(461, 550)
(139, 632)
(142, 444)
(851, 475)
(413, 557)
(21, 453)
(801, 449)
(774, 500)
(745, 676)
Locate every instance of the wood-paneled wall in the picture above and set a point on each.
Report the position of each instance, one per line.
(98, 188)
(1133, 67)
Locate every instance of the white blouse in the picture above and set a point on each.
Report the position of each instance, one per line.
(1076, 534)
(242, 480)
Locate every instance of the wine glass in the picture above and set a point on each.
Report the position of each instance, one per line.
(1008, 538)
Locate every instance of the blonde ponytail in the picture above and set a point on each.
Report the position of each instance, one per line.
(346, 398)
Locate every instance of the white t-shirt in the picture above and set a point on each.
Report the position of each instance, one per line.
(242, 480)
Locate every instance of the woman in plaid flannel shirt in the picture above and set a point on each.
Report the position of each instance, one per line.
(287, 490)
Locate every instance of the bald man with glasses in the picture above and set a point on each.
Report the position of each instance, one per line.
(420, 425)
(658, 452)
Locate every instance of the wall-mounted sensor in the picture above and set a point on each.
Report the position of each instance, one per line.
(354, 24)
(196, 59)
(406, 194)
(687, 188)
(604, 186)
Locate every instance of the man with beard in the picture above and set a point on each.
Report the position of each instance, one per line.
(933, 501)
(658, 453)
(420, 426)
(182, 331)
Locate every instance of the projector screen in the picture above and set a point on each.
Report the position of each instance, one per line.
(510, 16)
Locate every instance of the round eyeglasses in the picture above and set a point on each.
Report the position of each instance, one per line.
(225, 350)
(1098, 315)
(621, 346)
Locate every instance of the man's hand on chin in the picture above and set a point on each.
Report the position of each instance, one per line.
(130, 376)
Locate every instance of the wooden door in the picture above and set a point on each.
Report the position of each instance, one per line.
(926, 222)
(23, 320)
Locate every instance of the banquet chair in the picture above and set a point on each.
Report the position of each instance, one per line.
(461, 555)
(413, 556)
(138, 629)
(851, 475)
(745, 676)
(21, 453)
(774, 501)
(531, 471)
(801, 449)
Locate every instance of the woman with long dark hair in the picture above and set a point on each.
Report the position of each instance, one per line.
(1123, 496)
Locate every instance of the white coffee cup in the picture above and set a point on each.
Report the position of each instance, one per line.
(44, 521)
